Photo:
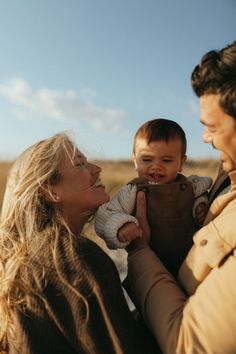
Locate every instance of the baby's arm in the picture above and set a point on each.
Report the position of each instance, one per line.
(111, 217)
(129, 232)
(200, 209)
(201, 204)
(200, 184)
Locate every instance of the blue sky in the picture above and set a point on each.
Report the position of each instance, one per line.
(100, 68)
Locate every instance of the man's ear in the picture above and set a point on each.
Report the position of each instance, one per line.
(184, 158)
(50, 195)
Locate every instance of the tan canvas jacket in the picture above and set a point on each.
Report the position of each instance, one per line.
(198, 314)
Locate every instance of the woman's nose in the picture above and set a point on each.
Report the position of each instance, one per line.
(95, 169)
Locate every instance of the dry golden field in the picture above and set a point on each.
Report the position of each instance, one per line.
(114, 175)
(4, 169)
(117, 173)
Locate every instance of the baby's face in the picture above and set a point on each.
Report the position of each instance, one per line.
(159, 161)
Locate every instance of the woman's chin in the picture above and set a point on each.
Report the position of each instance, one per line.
(104, 200)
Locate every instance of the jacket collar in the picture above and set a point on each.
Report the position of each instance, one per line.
(217, 238)
(232, 176)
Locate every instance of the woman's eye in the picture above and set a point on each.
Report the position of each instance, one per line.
(80, 164)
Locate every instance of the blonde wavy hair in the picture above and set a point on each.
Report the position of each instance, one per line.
(26, 214)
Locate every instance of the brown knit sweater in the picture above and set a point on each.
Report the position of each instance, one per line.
(57, 325)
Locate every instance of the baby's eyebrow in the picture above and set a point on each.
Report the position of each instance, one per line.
(144, 155)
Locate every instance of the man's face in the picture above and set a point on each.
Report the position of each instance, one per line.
(219, 130)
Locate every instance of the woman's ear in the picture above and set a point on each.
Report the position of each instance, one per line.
(50, 195)
(184, 158)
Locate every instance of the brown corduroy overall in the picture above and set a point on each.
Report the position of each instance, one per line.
(169, 213)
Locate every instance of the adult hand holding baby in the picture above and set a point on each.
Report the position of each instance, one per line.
(141, 216)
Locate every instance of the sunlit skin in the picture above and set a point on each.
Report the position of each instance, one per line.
(219, 130)
(159, 161)
(79, 192)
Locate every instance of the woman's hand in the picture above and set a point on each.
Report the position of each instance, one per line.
(143, 223)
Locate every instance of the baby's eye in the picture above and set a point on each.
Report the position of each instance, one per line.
(167, 161)
(146, 159)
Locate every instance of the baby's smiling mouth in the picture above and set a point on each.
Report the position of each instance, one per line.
(156, 177)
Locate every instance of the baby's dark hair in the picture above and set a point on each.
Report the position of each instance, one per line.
(216, 74)
(161, 129)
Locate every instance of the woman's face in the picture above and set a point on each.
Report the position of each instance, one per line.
(79, 189)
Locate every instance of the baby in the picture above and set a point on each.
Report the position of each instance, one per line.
(176, 205)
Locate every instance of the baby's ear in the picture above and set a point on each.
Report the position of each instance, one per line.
(183, 160)
(135, 162)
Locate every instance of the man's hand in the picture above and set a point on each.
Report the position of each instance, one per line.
(141, 215)
(143, 223)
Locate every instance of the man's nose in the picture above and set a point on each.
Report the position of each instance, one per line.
(207, 138)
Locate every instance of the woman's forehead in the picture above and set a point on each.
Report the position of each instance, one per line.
(72, 152)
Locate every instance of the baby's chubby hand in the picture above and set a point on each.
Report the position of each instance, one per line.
(129, 232)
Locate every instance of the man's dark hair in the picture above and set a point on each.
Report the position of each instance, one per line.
(161, 129)
(216, 74)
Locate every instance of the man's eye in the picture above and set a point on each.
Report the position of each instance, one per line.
(210, 130)
(167, 161)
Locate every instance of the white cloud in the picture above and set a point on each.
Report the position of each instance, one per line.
(58, 105)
